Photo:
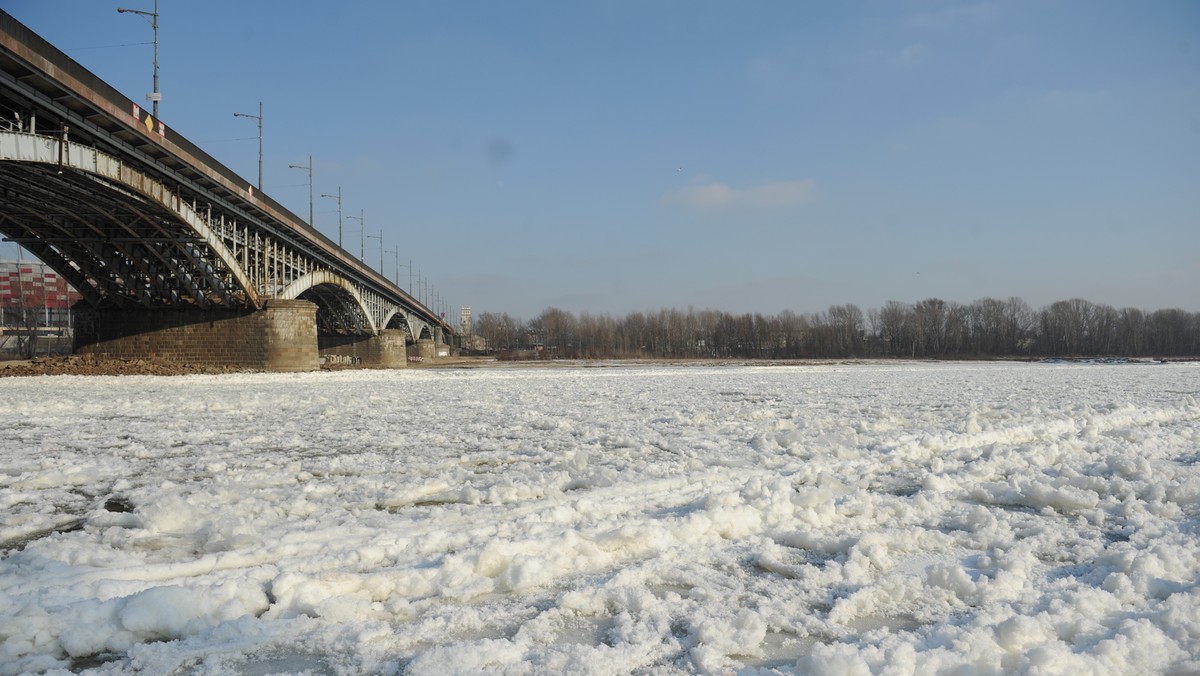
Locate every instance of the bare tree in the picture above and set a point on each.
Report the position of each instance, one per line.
(929, 328)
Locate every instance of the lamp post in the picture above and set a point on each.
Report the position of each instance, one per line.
(380, 238)
(258, 117)
(396, 277)
(338, 197)
(362, 240)
(310, 193)
(153, 96)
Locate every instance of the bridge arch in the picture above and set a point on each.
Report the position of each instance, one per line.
(397, 318)
(415, 327)
(180, 258)
(340, 307)
(109, 264)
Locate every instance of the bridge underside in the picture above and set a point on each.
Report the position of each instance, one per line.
(115, 247)
(282, 336)
(164, 243)
(338, 312)
(279, 337)
(162, 280)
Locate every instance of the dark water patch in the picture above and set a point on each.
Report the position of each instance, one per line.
(676, 510)
(285, 664)
(97, 661)
(1012, 507)
(118, 505)
(898, 489)
(19, 543)
(747, 397)
(1116, 536)
(417, 504)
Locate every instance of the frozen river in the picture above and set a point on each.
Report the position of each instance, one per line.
(880, 517)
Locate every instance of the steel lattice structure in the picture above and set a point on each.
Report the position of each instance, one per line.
(136, 217)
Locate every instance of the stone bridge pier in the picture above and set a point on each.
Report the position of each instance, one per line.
(280, 337)
(386, 350)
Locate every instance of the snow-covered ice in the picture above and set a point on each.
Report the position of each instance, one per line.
(831, 519)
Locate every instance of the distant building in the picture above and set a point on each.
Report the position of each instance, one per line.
(35, 302)
(464, 322)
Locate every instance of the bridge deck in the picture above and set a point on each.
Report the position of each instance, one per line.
(108, 236)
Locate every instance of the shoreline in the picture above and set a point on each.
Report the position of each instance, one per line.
(91, 366)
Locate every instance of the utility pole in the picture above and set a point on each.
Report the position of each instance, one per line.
(362, 240)
(155, 96)
(396, 251)
(339, 200)
(380, 238)
(310, 192)
(258, 117)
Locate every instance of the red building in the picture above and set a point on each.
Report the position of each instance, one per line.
(33, 295)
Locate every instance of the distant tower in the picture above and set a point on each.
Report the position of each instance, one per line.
(464, 321)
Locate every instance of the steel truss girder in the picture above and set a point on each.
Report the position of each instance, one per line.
(61, 94)
(123, 239)
(165, 253)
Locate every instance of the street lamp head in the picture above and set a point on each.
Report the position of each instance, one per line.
(121, 10)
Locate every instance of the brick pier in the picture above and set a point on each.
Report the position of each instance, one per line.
(280, 337)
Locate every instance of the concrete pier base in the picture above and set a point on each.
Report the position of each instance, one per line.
(280, 337)
(386, 350)
(427, 349)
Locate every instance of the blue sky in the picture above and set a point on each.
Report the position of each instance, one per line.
(620, 155)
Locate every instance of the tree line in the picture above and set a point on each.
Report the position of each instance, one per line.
(931, 328)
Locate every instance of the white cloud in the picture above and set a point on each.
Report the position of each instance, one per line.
(712, 196)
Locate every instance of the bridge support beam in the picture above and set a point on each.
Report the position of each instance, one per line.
(427, 349)
(384, 351)
(280, 337)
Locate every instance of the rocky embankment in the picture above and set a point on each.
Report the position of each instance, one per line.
(91, 366)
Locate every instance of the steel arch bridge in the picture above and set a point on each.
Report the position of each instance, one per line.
(123, 239)
(137, 218)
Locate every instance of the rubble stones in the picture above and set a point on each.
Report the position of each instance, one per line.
(85, 365)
